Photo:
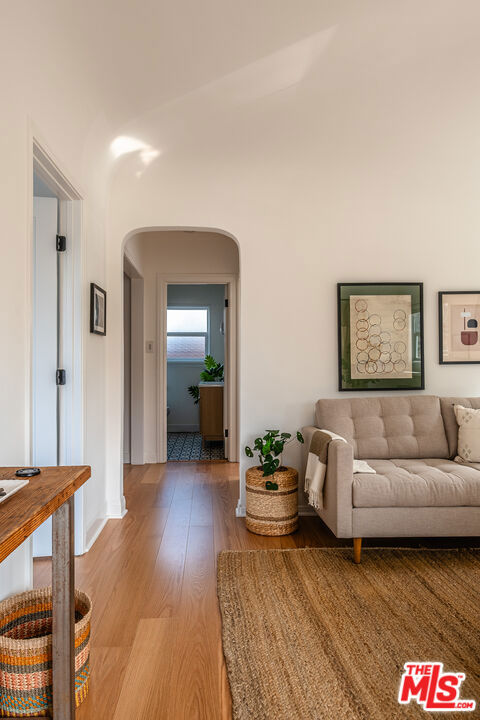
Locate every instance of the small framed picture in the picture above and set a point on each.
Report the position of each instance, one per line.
(459, 327)
(380, 336)
(98, 310)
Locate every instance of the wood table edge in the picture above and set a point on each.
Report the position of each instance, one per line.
(18, 536)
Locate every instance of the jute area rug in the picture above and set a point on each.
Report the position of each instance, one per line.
(308, 634)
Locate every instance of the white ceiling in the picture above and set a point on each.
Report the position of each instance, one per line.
(146, 53)
(201, 73)
(149, 52)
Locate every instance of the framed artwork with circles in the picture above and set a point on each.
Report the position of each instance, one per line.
(459, 327)
(380, 336)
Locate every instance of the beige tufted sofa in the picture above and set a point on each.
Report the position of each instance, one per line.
(418, 490)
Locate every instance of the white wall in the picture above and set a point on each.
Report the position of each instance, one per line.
(171, 253)
(364, 166)
(48, 90)
(184, 414)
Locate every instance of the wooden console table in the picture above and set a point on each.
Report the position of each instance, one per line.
(50, 493)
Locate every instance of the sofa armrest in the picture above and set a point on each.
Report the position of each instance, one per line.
(337, 492)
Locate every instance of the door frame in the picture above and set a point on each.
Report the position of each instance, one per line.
(136, 361)
(231, 355)
(71, 404)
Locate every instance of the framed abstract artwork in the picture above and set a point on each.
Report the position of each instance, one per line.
(98, 310)
(380, 336)
(459, 327)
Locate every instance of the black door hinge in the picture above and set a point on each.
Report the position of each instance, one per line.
(61, 377)
(226, 432)
(61, 243)
(226, 302)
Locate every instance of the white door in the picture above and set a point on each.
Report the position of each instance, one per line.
(45, 348)
(226, 399)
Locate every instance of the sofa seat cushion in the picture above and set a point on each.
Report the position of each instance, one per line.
(417, 483)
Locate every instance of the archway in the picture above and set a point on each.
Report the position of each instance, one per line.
(166, 257)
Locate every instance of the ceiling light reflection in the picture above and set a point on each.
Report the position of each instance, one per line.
(126, 145)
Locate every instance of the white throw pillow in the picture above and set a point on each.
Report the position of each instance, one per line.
(468, 421)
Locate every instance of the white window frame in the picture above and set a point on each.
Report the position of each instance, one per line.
(206, 335)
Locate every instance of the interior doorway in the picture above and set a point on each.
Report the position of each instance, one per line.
(196, 331)
(133, 364)
(229, 386)
(56, 358)
(127, 367)
(174, 264)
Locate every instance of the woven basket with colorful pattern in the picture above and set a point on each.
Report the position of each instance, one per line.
(26, 652)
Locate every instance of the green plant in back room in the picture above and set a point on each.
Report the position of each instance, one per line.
(213, 373)
(270, 448)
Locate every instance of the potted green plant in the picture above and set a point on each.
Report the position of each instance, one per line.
(275, 512)
(270, 448)
(213, 372)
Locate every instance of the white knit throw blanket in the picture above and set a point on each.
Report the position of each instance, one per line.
(317, 466)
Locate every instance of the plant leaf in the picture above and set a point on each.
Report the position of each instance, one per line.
(194, 391)
(300, 437)
(285, 436)
(210, 362)
(268, 469)
(278, 447)
(269, 485)
(248, 452)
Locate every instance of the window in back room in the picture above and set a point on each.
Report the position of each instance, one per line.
(188, 336)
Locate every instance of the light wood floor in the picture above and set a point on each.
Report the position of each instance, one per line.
(156, 644)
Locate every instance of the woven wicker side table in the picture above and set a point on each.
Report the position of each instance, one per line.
(272, 512)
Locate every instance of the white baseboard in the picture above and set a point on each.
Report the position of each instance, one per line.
(117, 510)
(149, 459)
(93, 532)
(240, 510)
(137, 461)
(126, 457)
(117, 515)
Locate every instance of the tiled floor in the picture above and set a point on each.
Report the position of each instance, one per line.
(188, 446)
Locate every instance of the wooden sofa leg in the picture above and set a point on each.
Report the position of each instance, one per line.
(357, 550)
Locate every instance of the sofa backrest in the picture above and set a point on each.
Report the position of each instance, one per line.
(387, 427)
(450, 421)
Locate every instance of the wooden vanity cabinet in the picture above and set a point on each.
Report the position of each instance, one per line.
(211, 412)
